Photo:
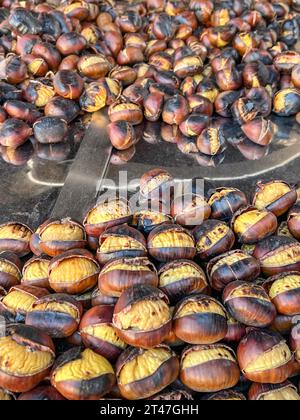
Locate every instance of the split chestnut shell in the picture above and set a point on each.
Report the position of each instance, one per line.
(284, 292)
(285, 391)
(224, 202)
(35, 272)
(15, 237)
(10, 269)
(156, 183)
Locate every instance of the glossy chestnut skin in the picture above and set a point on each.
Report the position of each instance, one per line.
(224, 202)
(41, 393)
(22, 111)
(283, 324)
(224, 102)
(194, 124)
(35, 272)
(14, 133)
(10, 269)
(76, 283)
(122, 135)
(175, 110)
(120, 274)
(284, 292)
(178, 243)
(83, 386)
(37, 66)
(68, 84)
(149, 216)
(287, 102)
(15, 70)
(48, 52)
(293, 221)
(217, 371)
(115, 212)
(285, 391)
(101, 317)
(55, 320)
(180, 278)
(236, 331)
(63, 108)
(70, 43)
(200, 319)
(256, 344)
(142, 298)
(278, 254)
(244, 110)
(29, 340)
(48, 130)
(249, 304)
(232, 266)
(190, 210)
(145, 387)
(211, 141)
(275, 196)
(263, 224)
(98, 298)
(155, 183)
(213, 238)
(49, 238)
(17, 238)
(133, 244)
(259, 130)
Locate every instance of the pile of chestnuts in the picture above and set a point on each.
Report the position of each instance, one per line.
(201, 302)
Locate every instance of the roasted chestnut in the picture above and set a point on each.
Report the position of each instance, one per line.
(190, 210)
(82, 375)
(275, 196)
(49, 130)
(71, 43)
(121, 274)
(285, 391)
(14, 133)
(264, 357)
(93, 98)
(200, 105)
(106, 214)
(156, 183)
(224, 202)
(122, 135)
(180, 278)
(35, 272)
(73, 272)
(98, 334)
(13, 69)
(286, 102)
(252, 225)
(39, 92)
(129, 112)
(169, 242)
(283, 324)
(249, 304)
(159, 367)
(284, 292)
(121, 241)
(98, 298)
(244, 110)
(10, 269)
(232, 266)
(58, 315)
(259, 130)
(15, 237)
(148, 219)
(48, 52)
(153, 106)
(37, 66)
(194, 124)
(278, 254)
(41, 393)
(224, 102)
(22, 111)
(200, 319)
(209, 368)
(293, 221)
(236, 331)
(175, 110)
(211, 141)
(68, 84)
(229, 79)
(227, 396)
(26, 357)
(63, 108)
(142, 317)
(56, 236)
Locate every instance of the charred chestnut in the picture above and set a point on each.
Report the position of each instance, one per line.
(82, 375)
(39, 92)
(190, 210)
(244, 110)
(48, 52)
(194, 124)
(68, 84)
(14, 133)
(229, 79)
(41, 393)
(232, 266)
(98, 333)
(209, 368)
(159, 368)
(224, 202)
(273, 392)
(153, 106)
(122, 134)
(65, 109)
(71, 43)
(175, 110)
(22, 111)
(49, 130)
(10, 269)
(155, 183)
(129, 112)
(259, 130)
(286, 102)
(275, 196)
(148, 219)
(15, 237)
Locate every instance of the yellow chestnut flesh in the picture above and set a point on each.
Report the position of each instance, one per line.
(18, 301)
(62, 232)
(6, 267)
(270, 193)
(56, 307)
(73, 269)
(285, 284)
(36, 270)
(106, 212)
(198, 357)
(199, 307)
(283, 256)
(125, 267)
(230, 259)
(212, 237)
(9, 232)
(115, 243)
(172, 239)
(106, 333)
(247, 220)
(176, 274)
(274, 358)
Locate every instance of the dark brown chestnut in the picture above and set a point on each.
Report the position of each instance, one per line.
(148, 218)
(275, 196)
(224, 102)
(229, 79)
(41, 393)
(82, 375)
(284, 292)
(283, 324)
(22, 111)
(209, 368)
(224, 202)
(71, 43)
(213, 238)
(194, 124)
(285, 391)
(287, 102)
(211, 141)
(15, 237)
(39, 92)
(63, 108)
(232, 266)
(10, 269)
(48, 52)
(236, 331)
(123, 74)
(48, 130)
(68, 84)
(142, 317)
(200, 105)
(129, 112)
(159, 367)
(264, 357)
(175, 110)
(156, 183)
(190, 210)
(93, 66)
(122, 135)
(14, 70)
(14, 133)
(37, 66)
(259, 130)
(249, 304)
(293, 221)
(153, 106)
(244, 110)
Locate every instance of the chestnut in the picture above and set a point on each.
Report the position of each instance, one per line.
(259, 130)
(48, 52)
(153, 106)
(48, 130)
(264, 357)
(159, 367)
(69, 62)
(120, 274)
(39, 92)
(229, 79)
(293, 221)
(249, 304)
(123, 74)
(26, 357)
(93, 66)
(200, 105)
(275, 196)
(209, 368)
(142, 317)
(14, 70)
(286, 61)
(129, 56)
(10, 269)
(224, 202)
(93, 97)
(284, 292)
(211, 141)
(236, 331)
(129, 112)
(213, 238)
(224, 101)
(35, 272)
(156, 183)
(232, 266)
(106, 214)
(37, 66)
(15, 237)
(73, 272)
(188, 66)
(98, 334)
(262, 101)
(82, 375)
(180, 278)
(252, 225)
(227, 396)
(56, 236)
(244, 110)
(71, 43)
(41, 393)
(285, 391)
(22, 111)
(190, 210)
(283, 324)
(175, 110)
(121, 241)
(295, 76)
(194, 124)
(68, 84)
(147, 219)
(200, 319)
(98, 298)
(14, 133)
(286, 102)
(278, 254)
(58, 315)
(63, 108)
(169, 242)
(122, 135)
